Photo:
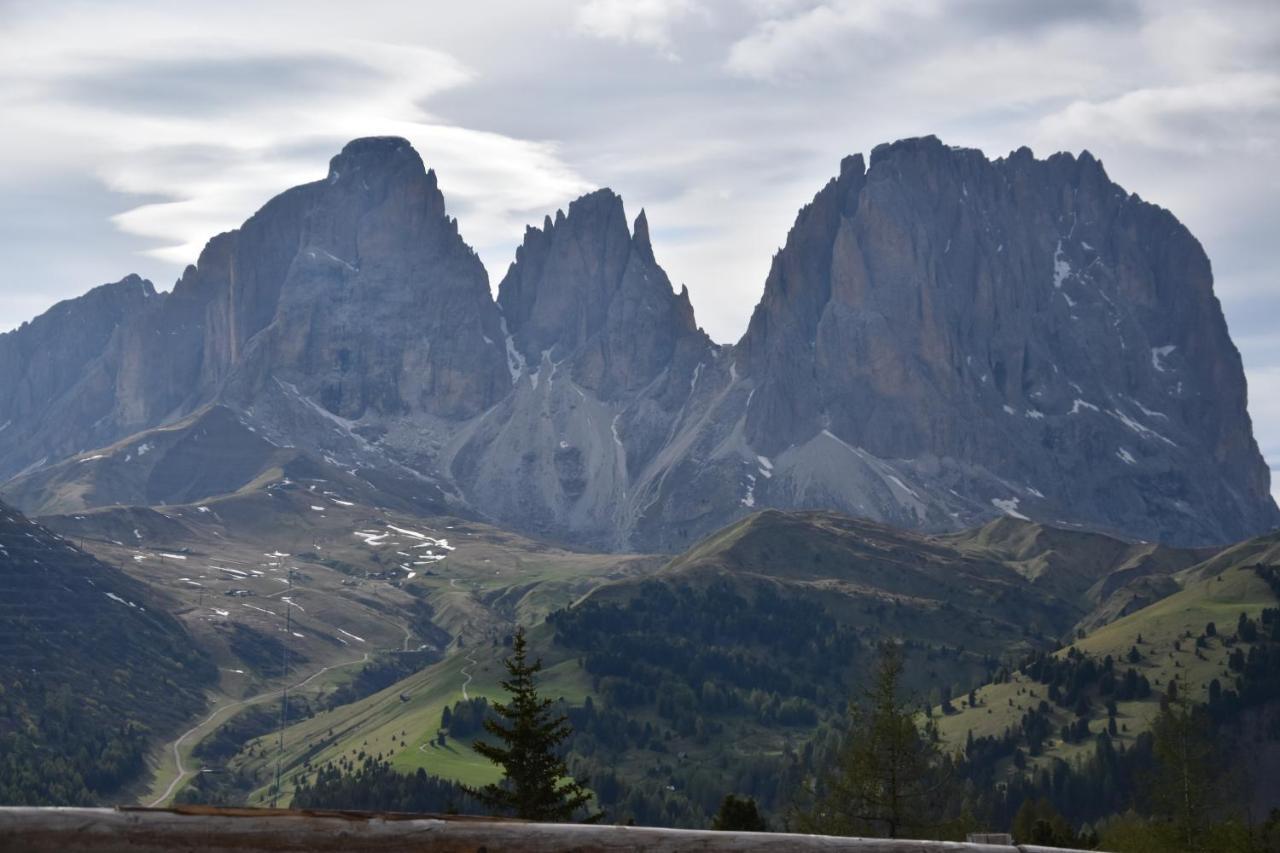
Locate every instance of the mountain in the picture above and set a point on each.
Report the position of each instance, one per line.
(943, 339)
(1017, 335)
(93, 669)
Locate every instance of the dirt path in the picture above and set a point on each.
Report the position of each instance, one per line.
(220, 714)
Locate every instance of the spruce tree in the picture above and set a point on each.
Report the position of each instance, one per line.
(739, 814)
(535, 784)
(1184, 789)
(890, 778)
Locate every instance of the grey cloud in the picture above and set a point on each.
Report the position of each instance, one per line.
(1020, 15)
(58, 241)
(199, 86)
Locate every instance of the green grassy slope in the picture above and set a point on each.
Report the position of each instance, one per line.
(998, 592)
(1165, 635)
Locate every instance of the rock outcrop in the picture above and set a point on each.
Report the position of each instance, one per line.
(943, 339)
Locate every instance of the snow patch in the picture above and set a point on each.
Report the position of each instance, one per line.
(1149, 412)
(1009, 507)
(1082, 404)
(902, 485)
(1140, 428)
(1126, 457)
(1159, 354)
(351, 635)
(1061, 267)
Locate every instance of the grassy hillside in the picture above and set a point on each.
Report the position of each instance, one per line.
(726, 669)
(365, 580)
(715, 673)
(93, 670)
(1168, 642)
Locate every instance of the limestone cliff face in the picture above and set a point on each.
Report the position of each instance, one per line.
(943, 339)
(1023, 332)
(586, 289)
(375, 305)
(56, 387)
(606, 359)
(355, 293)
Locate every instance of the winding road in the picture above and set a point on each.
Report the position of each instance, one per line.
(471, 660)
(176, 747)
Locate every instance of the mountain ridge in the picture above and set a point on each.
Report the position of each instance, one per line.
(942, 339)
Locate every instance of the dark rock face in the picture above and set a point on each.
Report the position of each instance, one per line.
(55, 384)
(943, 339)
(355, 293)
(1022, 332)
(585, 288)
(382, 307)
(606, 358)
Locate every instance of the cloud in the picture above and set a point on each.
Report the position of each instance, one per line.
(208, 129)
(814, 39)
(213, 85)
(645, 22)
(1235, 113)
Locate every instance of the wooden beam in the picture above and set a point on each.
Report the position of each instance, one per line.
(132, 830)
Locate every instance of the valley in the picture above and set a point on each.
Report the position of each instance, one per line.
(727, 667)
(355, 583)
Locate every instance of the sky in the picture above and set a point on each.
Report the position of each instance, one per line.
(134, 130)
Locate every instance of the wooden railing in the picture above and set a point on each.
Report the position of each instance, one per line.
(135, 830)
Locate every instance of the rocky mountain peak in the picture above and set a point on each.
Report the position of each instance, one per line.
(376, 303)
(640, 242)
(943, 338)
(585, 287)
(374, 156)
(995, 325)
(557, 292)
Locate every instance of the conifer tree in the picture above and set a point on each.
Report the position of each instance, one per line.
(739, 814)
(535, 784)
(890, 779)
(1184, 784)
